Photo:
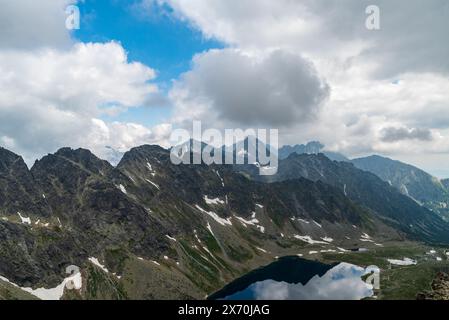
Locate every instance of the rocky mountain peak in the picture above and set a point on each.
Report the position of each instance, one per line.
(9, 159)
(18, 190)
(143, 153)
(69, 159)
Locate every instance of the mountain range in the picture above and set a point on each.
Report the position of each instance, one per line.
(411, 181)
(149, 229)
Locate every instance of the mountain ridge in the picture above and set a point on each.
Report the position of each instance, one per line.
(194, 227)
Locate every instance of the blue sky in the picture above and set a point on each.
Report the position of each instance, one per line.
(151, 36)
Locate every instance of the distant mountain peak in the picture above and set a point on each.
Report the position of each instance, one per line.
(313, 147)
(7, 158)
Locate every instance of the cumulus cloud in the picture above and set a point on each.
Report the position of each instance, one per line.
(27, 24)
(275, 89)
(309, 67)
(412, 36)
(395, 77)
(121, 137)
(49, 97)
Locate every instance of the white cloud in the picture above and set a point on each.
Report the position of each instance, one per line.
(282, 54)
(124, 136)
(54, 90)
(49, 97)
(412, 36)
(27, 24)
(392, 78)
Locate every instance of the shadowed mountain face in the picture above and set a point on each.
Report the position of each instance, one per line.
(410, 181)
(187, 228)
(367, 190)
(18, 192)
(70, 210)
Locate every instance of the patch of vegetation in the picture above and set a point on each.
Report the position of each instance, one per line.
(200, 268)
(116, 258)
(404, 283)
(101, 286)
(397, 282)
(239, 254)
(10, 292)
(211, 243)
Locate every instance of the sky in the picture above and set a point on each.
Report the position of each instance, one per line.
(137, 69)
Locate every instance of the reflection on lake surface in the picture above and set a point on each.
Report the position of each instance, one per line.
(319, 282)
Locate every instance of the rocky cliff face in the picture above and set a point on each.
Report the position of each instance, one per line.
(440, 289)
(18, 191)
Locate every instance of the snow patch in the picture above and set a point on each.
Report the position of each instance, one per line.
(319, 225)
(215, 216)
(215, 201)
(404, 262)
(25, 220)
(262, 250)
(210, 229)
(366, 238)
(196, 236)
(75, 282)
(171, 238)
(309, 240)
(221, 179)
(98, 264)
(122, 189)
(253, 222)
(152, 183)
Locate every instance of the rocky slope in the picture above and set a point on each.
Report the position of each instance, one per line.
(368, 190)
(148, 229)
(160, 230)
(409, 180)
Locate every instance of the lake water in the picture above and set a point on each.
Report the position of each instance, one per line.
(293, 278)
